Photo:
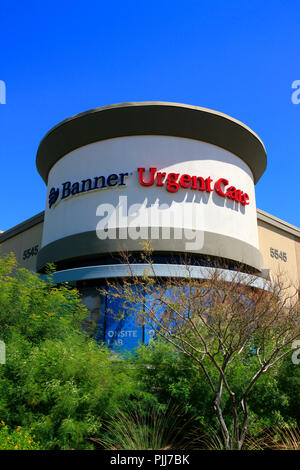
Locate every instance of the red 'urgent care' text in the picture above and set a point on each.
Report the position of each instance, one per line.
(174, 181)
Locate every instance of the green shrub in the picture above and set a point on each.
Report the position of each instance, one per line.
(168, 375)
(62, 387)
(34, 308)
(289, 384)
(56, 379)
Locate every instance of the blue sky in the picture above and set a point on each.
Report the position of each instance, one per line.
(61, 58)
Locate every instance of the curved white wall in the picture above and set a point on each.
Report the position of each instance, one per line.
(194, 209)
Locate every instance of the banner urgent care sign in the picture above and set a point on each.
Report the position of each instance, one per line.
(174, 181)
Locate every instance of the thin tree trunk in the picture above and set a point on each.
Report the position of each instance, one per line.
(219, 413)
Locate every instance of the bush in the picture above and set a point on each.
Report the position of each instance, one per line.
(56, 379)
(167, 374)
(62, 387)
(33, 308)
(289, 384)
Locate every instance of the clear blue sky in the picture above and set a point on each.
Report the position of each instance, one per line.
(60, 58)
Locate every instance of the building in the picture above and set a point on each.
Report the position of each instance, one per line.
(180, 175)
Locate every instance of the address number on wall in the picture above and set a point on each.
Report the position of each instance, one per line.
(274, 253)
(31, 252)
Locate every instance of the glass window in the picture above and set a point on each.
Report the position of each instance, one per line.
(123, 331)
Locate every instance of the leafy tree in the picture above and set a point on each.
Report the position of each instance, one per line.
(169, 375)
(218, 324)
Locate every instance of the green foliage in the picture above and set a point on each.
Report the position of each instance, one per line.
(55, 379)
(64, 387)
(17, 439)
(289, 384)
(170, 375)
(35, 308)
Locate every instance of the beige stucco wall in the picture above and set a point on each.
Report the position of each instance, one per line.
(26, 240)
(298, 258)
(273, 237)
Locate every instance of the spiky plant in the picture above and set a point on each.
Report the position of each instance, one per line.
(152, 429)
(287, 438)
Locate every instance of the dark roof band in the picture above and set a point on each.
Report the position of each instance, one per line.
(151, 118)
